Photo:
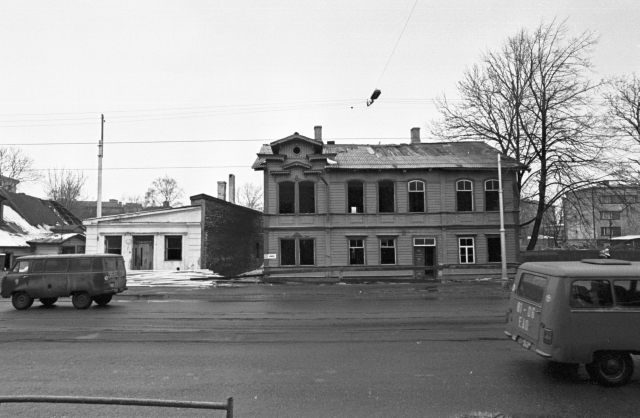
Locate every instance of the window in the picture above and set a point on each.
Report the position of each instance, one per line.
(627, 292)
(387, 251)
(466, 250)
(110, 264)
(424, 242)
(96, 264)
(307, 256)
(55, 265)
(68, 250)
(173, 248)
(591, 294)
(618, 199)
(614, 216)
(305, 253)
(494, 250)
(416, 196)
(355, 197)
(21, 267)
(386, 197)
(37, 266)
(286, 197)
(306, 197)
(614, 231)
(464, 196)
(356, 252)
(113, 244)
(80, 264)
(532, 287)
(491, 196)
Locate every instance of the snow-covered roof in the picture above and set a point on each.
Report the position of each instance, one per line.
(18, 231)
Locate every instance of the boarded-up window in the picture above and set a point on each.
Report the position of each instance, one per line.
(307, 199)
(416, 196)
(288, 252)
(286, 197)
(387, 251)
(173, 248)
(386, 197)
(464, 196)
(356, 251)
(113, 244)
(491, 195)
(355, 197)
(307, 256)
(494, 252)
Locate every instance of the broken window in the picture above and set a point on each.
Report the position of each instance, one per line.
(173, 248)
(287, 252)
(464, 196)
(491, 196)
(307, 199)
(386, 197)
(416, 196)
(355, 197)
(307, 256)
(113, 244)
(387, 251)
(286, 197)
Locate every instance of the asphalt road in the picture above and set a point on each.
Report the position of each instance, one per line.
(292, 351)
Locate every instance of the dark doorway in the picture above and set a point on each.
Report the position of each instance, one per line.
(425, 257)
(142, 253)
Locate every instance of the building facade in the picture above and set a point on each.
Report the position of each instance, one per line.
(415, 211)
(211, 234)
(594, 215)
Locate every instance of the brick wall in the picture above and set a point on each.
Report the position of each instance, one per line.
(232, 238)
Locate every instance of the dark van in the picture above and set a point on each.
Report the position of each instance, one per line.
(87, 278)
(579, 312)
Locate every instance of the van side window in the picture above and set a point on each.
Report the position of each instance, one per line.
(120, 263)
(532, 287)
(96, 265)
(55, 265)
(591, 294)
(37, 266)
(627, 292)
(80, 264)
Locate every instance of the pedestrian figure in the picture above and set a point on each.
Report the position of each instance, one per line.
(604, 253)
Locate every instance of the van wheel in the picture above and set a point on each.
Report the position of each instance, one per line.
(81, 300)
(611, 368)
(21, 300)
(48, 301)
(102, 300)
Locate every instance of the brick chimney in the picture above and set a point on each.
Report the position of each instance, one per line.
(318, 132)
(232, 188)
(415, 135)
(222, 190)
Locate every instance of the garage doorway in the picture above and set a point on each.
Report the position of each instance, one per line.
(424, 255)
(142, 252)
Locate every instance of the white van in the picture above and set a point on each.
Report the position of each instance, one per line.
(579, 312)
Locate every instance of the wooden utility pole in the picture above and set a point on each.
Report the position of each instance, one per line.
(100, 147)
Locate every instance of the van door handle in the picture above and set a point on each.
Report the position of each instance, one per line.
(24, 277)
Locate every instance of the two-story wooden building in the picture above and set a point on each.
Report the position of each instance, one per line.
(337, 212)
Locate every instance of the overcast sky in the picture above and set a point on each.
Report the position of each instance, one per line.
(232, 75)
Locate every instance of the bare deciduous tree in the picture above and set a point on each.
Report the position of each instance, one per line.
(533, 100)
(65, 187)
(250, 196)
(623, 109)
(16, 165)
(163, 189)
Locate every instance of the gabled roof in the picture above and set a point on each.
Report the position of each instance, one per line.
(56, 239)
(34, 210)
(296, 137)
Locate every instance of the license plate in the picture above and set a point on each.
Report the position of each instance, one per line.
(525, 343)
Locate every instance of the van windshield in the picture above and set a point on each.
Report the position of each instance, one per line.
(532, 287)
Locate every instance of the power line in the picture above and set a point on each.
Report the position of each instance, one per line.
(194, 141)
(145, 168)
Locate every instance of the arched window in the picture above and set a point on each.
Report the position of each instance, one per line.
(286, 197)
(464, 196)
(355, 197)
(491, 195)
(306, 197)
(416, 196)
(386, 197)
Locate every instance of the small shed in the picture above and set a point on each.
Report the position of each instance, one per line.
(72, 243)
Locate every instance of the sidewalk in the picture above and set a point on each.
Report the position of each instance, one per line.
(246, 290)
